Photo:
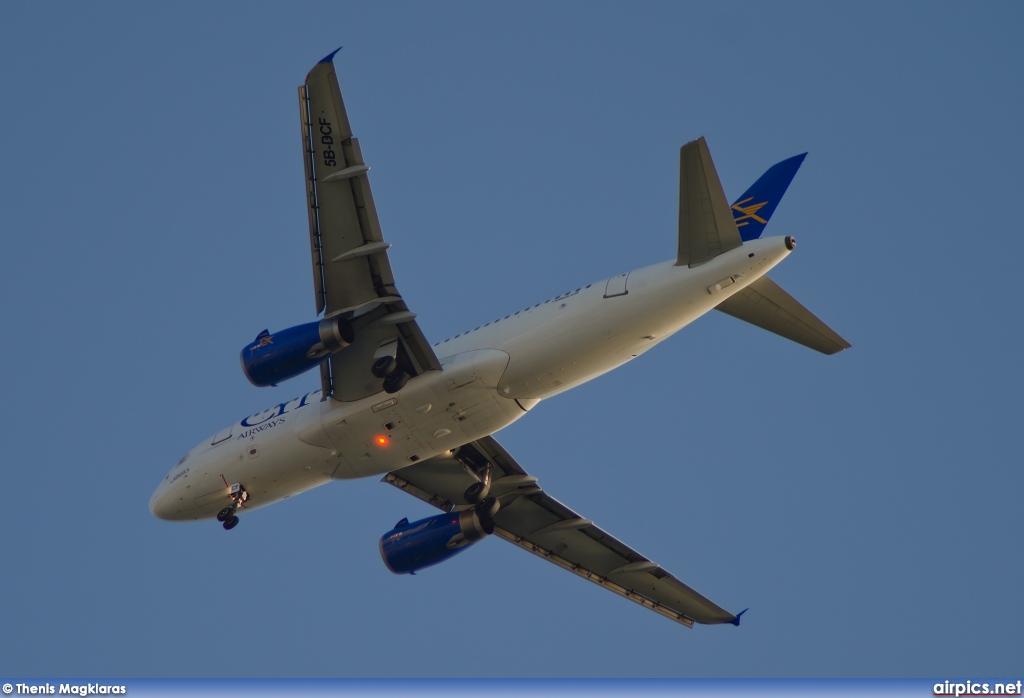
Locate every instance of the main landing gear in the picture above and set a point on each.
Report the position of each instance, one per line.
(386, 367)
(479, 490)
(479, 468)
(227, 514)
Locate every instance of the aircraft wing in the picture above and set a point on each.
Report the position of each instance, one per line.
(538, 523)
(351, 273)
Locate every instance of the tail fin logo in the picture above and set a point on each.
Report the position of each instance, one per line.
(750, 216)
(749, 212)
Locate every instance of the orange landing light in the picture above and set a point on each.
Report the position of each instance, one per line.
(382, 440)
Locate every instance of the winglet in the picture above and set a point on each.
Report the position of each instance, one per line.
(757, 204)
(330, 56)
(736, 620)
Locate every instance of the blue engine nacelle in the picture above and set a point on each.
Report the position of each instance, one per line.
(412, 546)
(272, 358)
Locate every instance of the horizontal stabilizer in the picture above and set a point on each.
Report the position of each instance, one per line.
(765, 304)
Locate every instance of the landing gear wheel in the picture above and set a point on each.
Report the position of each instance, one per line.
(476, 492)
(383, 366)
(488, 508)
(238, 497)
(485, 512)
(395, 381)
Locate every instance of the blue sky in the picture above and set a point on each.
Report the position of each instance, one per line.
(865, 506)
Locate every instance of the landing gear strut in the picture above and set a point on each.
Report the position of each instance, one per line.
(227, 514)
(479, 490)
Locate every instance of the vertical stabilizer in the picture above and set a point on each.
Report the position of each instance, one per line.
(752, 210)
(706, 225)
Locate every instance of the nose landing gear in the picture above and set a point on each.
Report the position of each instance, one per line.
(227, 514)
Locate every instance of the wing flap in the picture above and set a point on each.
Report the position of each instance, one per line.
(764, 304)
(536, 522)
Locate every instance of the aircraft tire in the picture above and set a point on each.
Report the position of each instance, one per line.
(476, 492)
(225, 514)
(395, 381)
(383, 366)
(488, 507)
(231, 523)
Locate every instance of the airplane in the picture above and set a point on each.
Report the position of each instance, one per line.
(423, 415)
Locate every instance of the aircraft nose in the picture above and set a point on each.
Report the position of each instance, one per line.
(161, 504)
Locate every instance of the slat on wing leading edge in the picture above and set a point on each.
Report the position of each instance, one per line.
(540, 524)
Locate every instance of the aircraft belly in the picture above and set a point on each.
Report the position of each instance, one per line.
(271, 465)
(598, 335)
(308, 427)
(597, 340)
(435, 412)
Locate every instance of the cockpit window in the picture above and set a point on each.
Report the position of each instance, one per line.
(183, 459)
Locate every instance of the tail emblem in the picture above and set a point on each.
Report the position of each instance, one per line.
(748, 212)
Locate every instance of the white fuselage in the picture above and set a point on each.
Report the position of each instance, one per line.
(491, 376)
